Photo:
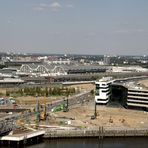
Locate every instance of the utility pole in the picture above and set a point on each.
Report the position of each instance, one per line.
(95, 113)
(45, 109)
(95, 107)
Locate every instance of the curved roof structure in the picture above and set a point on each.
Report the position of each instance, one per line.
(43, 69)
(58, 69)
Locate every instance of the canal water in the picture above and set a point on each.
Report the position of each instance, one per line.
(94, 143)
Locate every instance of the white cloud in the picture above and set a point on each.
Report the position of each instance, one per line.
(69, 6)
(126, 31)
(140, 30)
(44, 5)
(121, 31)
(11, 21)
(38, 8)
(92, 34)
(41, 7)
(55, 6)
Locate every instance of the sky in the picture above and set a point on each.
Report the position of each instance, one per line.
(113, 27)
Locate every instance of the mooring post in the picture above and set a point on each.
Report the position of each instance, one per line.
(8, 143)
(37, 139)
(99, 132)
(18, 143)
(2, 143)
(24, 142)
(102, 132)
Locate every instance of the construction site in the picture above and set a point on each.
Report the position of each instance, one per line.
(41, 115)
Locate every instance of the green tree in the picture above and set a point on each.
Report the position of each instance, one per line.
(92, 91)
(50, 91)
(7, 93)
(38, 90)
(46, 91)
(20, 91)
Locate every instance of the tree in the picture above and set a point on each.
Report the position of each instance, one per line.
(7, 93)
(20, 91)
(50, 91)
(46, 92)
(38, 91)
(92, 91)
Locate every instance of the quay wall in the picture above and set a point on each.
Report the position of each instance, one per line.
(100, 132)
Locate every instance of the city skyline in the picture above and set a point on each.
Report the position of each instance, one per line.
(74, 27)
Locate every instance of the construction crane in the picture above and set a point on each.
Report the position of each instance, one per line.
(40, 113)
(43, 114)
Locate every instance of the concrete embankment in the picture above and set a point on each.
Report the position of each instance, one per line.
(100, 132)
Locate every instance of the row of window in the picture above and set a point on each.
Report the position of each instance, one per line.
(141, 95)
(102, 99)
(103, 91)
(138, 102)
(103, 87)
(107, 90)
(138, 99)
(108, 93)
(139, 91)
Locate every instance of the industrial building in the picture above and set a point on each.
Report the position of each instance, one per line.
(56, 70)
(10, 82)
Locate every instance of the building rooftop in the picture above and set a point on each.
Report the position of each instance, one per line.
(11, 80)
(106, 79)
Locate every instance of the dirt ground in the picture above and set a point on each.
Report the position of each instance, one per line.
(144, 83)
(29, 100)
(84, 86)
(106, 116)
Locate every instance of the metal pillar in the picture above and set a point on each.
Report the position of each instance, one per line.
(95, 112)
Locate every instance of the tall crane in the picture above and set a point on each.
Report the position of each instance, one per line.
(43, 114)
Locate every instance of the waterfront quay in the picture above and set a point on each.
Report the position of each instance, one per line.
(33, 137)
(100, 133)
(20, 139)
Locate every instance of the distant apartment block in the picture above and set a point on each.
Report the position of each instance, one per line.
(107, 59)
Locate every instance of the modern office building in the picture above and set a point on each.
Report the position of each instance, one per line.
(103, 91)
(108, 91)
(137, 98)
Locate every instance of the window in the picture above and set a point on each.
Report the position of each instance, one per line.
(105, 90)
(97, 86)
(97, 92)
